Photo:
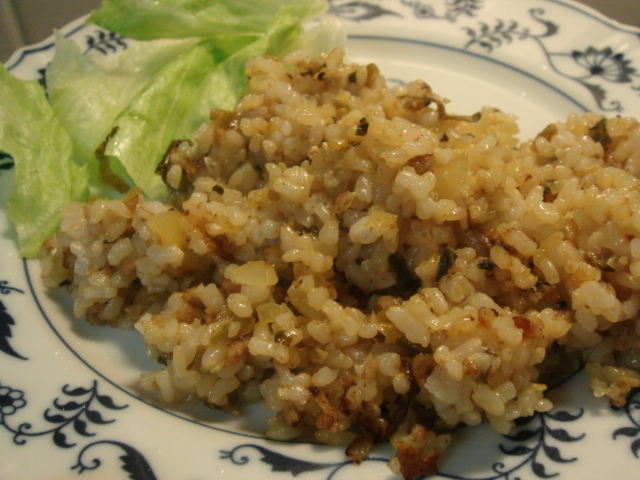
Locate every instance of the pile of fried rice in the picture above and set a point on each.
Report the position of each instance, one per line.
(370, 266)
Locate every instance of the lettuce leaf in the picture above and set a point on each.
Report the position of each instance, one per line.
(46, 178)
(87, 95)
(179, 100)
(151, 19)
(327, 34)
(161, 112)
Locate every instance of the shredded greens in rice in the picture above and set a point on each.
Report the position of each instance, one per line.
(368, 265)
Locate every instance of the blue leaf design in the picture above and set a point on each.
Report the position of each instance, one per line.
(74, 417)
(553, 453)
(133, 462)
(136, 464)
(107, 402)
(564, 416)
(537, 447)
(54, 418)
(630, 409)
(552, 28)
(463, 7)
(67, 406)
(283, 463)
(635, 448)
(76, 392)
(280, 462)
(540, 470)
(562, 435)
(600, 95)
(106, 42)
(626, 431)
(6, 322)
(60, 439)
(96, 417)
(68, 418)
(80, 426)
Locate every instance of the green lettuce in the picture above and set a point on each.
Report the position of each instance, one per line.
(151, 19)
(179, 100)
(46, 178)
(87, 94)
(172, 106)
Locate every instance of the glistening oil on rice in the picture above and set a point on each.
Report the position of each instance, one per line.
(368, 265)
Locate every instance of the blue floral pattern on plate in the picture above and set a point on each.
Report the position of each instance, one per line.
(599, 66)
(533, 445)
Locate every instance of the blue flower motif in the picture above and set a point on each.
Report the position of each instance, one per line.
(10, 401)
(605, 64)
(422, 10)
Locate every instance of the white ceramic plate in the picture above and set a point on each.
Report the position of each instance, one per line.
(69, 402)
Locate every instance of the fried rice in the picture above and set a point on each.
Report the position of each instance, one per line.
(368, 265)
